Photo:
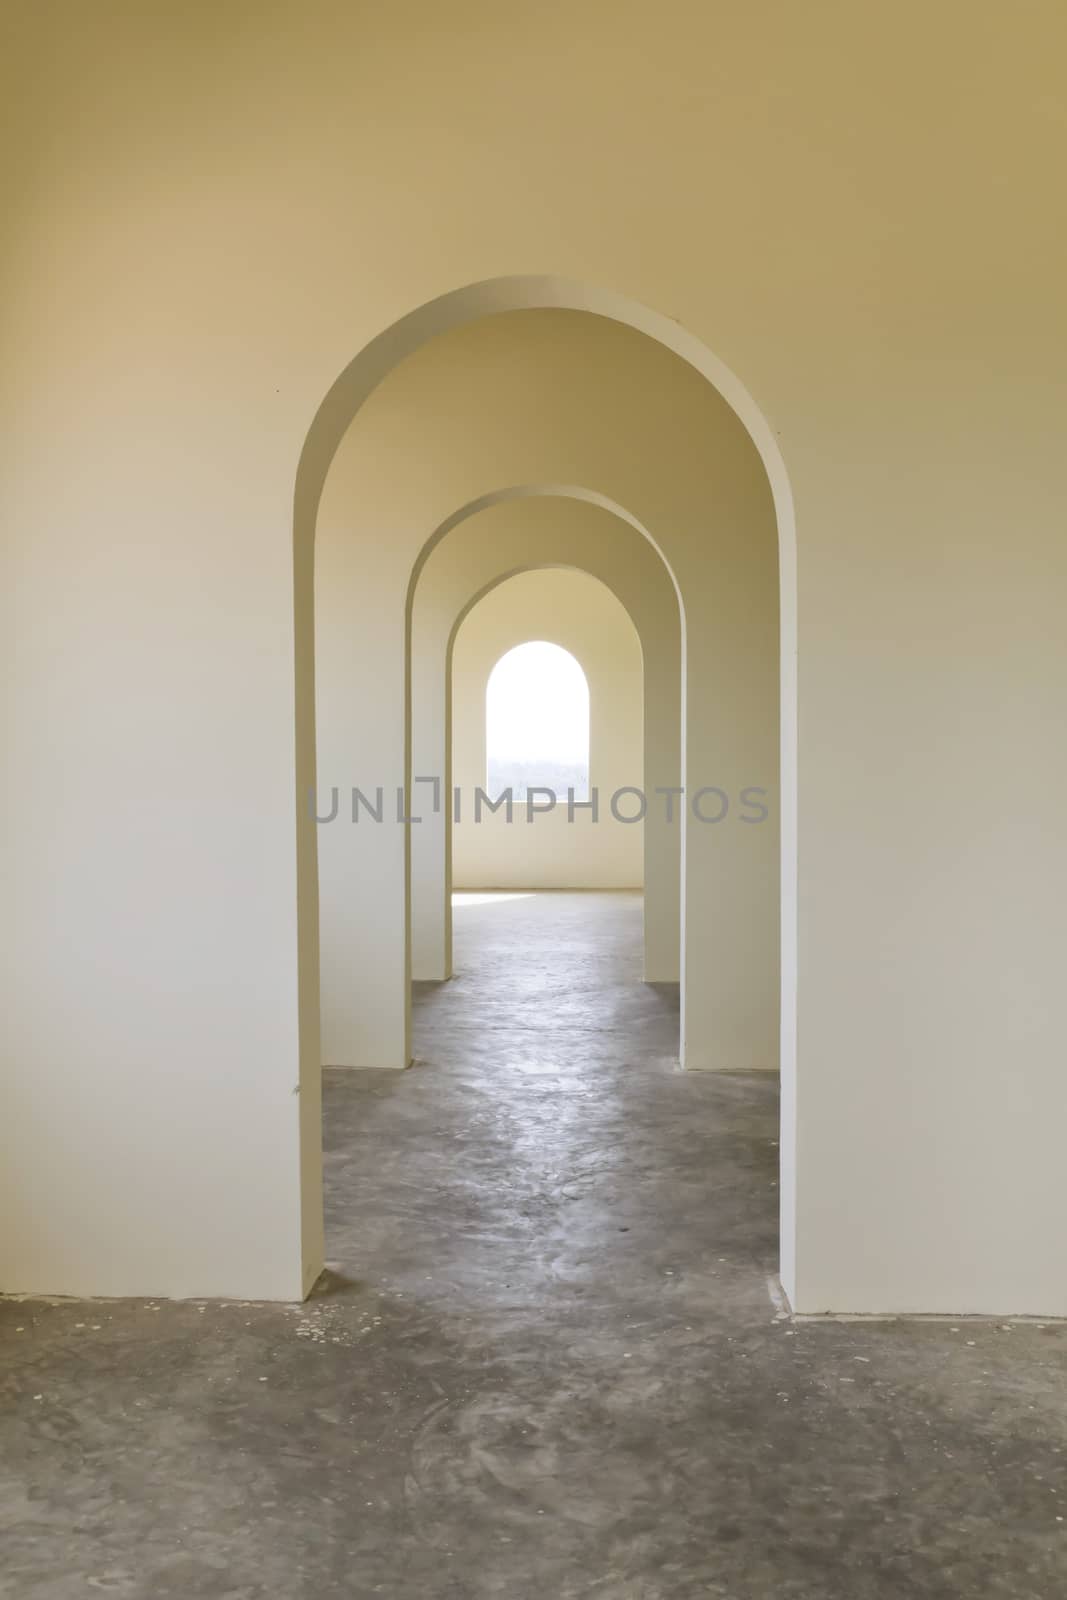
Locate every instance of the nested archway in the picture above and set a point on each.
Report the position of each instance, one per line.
(695, 530)
(485, 544)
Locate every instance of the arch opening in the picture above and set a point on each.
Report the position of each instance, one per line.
(336, 414)
(546, 823)
(537, 723)
(647, 592)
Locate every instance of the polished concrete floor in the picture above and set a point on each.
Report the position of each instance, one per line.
(548, 1364)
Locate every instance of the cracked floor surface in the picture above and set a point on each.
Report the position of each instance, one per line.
(546, 1363)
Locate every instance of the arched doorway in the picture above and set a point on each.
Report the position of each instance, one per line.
(489, 543)
(338, 411)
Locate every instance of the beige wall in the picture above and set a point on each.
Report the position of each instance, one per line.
(580, 614)
(209, 211)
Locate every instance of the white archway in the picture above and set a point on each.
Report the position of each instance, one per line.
(649, 595)
(338, 410)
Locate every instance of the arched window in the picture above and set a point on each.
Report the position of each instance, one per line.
(537, 723)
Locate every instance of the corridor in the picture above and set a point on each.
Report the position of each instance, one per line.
(546, 1361)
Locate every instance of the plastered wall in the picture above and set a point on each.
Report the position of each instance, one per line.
(208, 212)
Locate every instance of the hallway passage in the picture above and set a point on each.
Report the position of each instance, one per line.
(546, 1364)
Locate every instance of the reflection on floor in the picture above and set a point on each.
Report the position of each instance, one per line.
(548, 1366)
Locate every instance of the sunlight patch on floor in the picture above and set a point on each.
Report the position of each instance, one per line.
(471, 897)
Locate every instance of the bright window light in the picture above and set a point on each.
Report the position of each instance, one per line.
(537, 723)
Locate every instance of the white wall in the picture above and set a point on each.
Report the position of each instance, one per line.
(580, 614)
(204, 222)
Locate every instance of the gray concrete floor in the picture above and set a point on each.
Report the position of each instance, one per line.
(546, 1366)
